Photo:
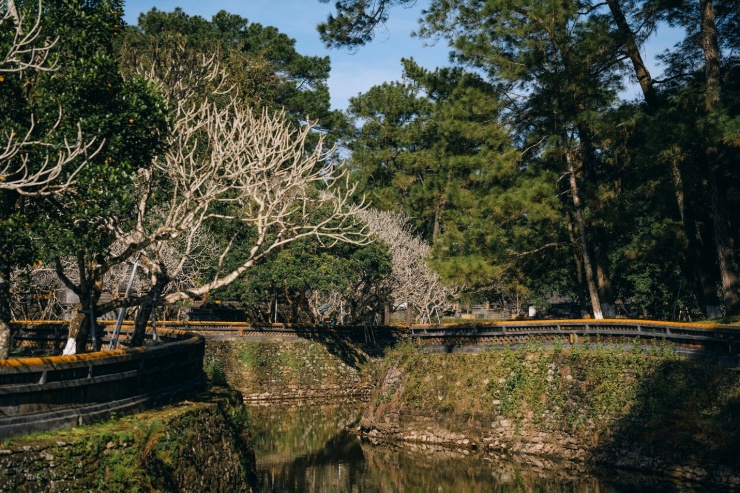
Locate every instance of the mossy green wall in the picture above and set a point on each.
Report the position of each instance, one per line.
(293, 369)
(194, 446)
(591, 403)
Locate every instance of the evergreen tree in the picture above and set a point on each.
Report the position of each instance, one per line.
(262, 62)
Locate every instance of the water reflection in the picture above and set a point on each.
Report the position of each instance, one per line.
(309, 449)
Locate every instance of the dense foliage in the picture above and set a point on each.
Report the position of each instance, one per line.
(528, 172)
(210, 152)
(520, 165)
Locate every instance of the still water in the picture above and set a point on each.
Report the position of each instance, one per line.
(310, 448)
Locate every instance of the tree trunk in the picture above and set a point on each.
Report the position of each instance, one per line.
(704, 288)
(580, 277)
(604, 284)
(438, 209)
(627, 38)
(725, 249)
(723, 241)
(146, 309)
(710, 45)
(8, 202)
(5, 341)
(78, 329)
(140, 322)
(90, 288)
(581, 231)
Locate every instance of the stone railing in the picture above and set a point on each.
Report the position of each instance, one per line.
(38, 394)
(687, 337)
(50, 336)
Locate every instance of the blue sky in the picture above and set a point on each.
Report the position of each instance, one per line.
(353, 73)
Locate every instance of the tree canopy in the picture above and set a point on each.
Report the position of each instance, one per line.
(202, 150)
(622, 200)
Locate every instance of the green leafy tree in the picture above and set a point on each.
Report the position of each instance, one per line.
(656, 177)
(262, 62)
(127, 115)
(68, 113)
(437, 149)
(564, 62)
(310, 283)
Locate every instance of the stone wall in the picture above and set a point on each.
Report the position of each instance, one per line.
(293, 369)
(191, 447)
(655, 413)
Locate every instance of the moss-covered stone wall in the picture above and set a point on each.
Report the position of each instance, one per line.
(293, 369)
(195, 446)
(602, 405)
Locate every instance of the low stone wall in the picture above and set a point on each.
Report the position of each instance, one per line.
(190, 447)
(651, 413)
(38, 394)
(294, 369)
(689, 338)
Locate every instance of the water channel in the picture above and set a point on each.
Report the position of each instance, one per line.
(311, 448)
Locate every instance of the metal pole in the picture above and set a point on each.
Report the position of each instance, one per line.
(122, 311)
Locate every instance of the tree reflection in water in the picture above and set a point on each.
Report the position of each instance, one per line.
(311, 448)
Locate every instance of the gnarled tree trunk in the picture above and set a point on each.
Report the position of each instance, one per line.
(5, 340)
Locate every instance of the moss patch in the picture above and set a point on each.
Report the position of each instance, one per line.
(284, 369)
(200, 445)
(609, 398)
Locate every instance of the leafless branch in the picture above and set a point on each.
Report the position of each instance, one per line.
(30, 165)
(227, 164)
(28, 51)
(20, 171)
(412, 280)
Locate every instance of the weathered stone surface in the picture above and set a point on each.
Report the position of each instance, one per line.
(625, 440)
(295, 369)
(191, 447)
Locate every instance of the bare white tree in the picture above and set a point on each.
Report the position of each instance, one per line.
(32, 167)
(413, 282)
(271, 180)
(31, 164)
(228, 167)
(28, 50)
